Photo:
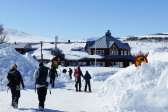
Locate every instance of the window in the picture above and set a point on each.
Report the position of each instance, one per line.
(91, 63)
(100, 63)
(125, 52)
(89, 52)
(113, 52)
(121, 52)
(82, 63)
(121, 64)
(114, 64)
(99, 52)
(72, 63)
(128, 52)
(130, 63)
(114, 47)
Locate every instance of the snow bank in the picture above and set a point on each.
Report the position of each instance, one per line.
(138, 89)
(26, 65)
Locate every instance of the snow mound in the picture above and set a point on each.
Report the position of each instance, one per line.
(138, 89)
(26, 65)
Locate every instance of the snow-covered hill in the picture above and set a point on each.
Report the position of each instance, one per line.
(152, 37)
(146, 43)
(18, 36)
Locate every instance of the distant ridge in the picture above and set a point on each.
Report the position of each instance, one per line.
(19, 36)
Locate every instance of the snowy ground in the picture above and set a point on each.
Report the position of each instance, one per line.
(64, 98)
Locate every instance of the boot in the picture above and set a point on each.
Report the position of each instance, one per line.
(41, 108)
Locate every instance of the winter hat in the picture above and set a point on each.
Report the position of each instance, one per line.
(41, 64)
(14, 66)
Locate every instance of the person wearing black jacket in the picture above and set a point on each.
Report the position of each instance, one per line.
(70, 73)
(14, 80)
(53, 74)
(87, 78)
(41, 75)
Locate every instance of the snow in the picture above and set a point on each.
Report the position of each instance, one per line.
(131, 89)
(145, 47)
(138, 89)
(67, 49)
(18, 36)
(26, 65)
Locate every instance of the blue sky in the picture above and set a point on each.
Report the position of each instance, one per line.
(81, 19)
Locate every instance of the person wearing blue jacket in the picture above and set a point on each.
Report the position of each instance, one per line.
(87, 78)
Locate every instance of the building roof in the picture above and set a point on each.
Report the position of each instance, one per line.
(21, 45)
(106, 42)
(119, 57)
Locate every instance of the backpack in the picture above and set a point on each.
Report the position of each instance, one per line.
(14, 78)
(42, 75)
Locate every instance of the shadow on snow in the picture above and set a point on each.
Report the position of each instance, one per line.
(37, 110)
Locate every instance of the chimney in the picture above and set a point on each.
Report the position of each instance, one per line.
(108, 34)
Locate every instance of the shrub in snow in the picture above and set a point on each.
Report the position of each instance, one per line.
(26, 65)
(138, 89)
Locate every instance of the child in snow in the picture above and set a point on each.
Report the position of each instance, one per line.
(87, 78)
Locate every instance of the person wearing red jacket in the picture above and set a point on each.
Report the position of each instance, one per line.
(78, 74)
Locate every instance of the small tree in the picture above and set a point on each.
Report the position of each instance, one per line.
(3, 38)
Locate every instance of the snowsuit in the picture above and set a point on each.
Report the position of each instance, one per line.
(87, 78)
(15, 79)
(78, 74)
(41, 88)
(70, 73)
(53, 74)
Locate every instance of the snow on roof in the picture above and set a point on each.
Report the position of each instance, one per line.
(20, 45)
(106, 42)
(67, 49)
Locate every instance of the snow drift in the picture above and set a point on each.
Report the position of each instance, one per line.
(26, 65)
(138, 89)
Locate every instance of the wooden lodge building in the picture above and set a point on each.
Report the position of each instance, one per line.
(112, 52)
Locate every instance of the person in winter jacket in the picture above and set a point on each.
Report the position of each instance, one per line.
(87, 78)
(78, 74)
(64, 71)
(70, 73)
(14, 80)
(53, 74)
(40, 76)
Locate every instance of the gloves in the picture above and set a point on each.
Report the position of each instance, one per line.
(23, 86)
